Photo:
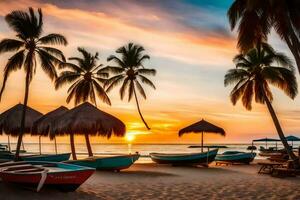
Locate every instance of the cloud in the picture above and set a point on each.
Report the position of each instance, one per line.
(165, 32)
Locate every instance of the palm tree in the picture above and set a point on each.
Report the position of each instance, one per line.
(86, 78)
(254, 72)
(129, 71)
(256, 18)
(29, 45)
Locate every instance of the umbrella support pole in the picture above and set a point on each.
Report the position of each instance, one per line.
(55, 144)
(8, 143)
(202, 142)
(23, 145)
(40, 145)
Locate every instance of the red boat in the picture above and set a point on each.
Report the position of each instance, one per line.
(64, 177)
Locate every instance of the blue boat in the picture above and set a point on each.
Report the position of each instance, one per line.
(113, 163)
(48, 157)
(36, 157)
(235, 157)
(203, 158)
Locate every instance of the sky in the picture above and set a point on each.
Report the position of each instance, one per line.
(191, 47)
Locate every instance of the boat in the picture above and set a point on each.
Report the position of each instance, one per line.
(235, 157)
(113, 163)
(203, 158)
(271, 151)
(48, 157)
(36, 157)
(208, 146)
(252, 147)
(32, 174)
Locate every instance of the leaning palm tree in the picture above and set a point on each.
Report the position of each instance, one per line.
(129, 71)
(256, 18)
(86, 79)
(30, 47)
(254, 73)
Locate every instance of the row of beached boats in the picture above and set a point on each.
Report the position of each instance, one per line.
(57, 170)
(36, 171)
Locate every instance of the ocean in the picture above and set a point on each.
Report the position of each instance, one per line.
(143, 149)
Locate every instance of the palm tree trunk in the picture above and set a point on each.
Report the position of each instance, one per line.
(281, 134)
(138, 107)
(22, 128)
(73, 147)
(88, 144)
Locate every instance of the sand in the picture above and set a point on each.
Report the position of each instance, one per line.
(151, 181)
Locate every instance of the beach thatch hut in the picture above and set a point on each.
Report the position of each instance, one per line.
(202, 127)
(41, 126)
(292, 139)
(86, 120)
(10, 120)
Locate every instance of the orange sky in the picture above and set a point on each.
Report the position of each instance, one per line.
(190, 52)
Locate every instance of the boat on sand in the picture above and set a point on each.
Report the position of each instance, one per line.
(235, 157)
(64, 177)
(203, 158)
(37, 157)
(113, 163)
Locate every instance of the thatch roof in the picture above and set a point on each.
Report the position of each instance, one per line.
(292, 138)
(87, 119)
(202, 126)
(10, 120)
(42, 125)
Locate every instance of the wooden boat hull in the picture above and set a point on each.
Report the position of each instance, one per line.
(107, 163)
(240, 158)
(185, 159)
(34, 157)
(68, 179)
(48, 158)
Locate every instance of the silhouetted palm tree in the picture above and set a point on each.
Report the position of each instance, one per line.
(256, 18)
(254, 72)
(30, 45)
(129, 71)
(86, 78)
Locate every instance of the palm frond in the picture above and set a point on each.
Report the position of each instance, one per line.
(71, 66)
(140, 89)
(124, 87)
(66, 77)
(235, 12)
(117, 60)
(101, 93)
(145, 71)
(248, 95)
(48, 63)
(13, 64)
(237, 92)
(146, 81)
(54, 52)
(53, 39)
(113, 69)
(113, 80)
(8, 45)
(130, 90)
(234, 76)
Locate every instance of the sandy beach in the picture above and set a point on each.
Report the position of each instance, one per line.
(150, 181)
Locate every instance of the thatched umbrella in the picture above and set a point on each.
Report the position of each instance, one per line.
(10, 120)
(86, 120)
(292, 139)
(202, 127)
(41, 126)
